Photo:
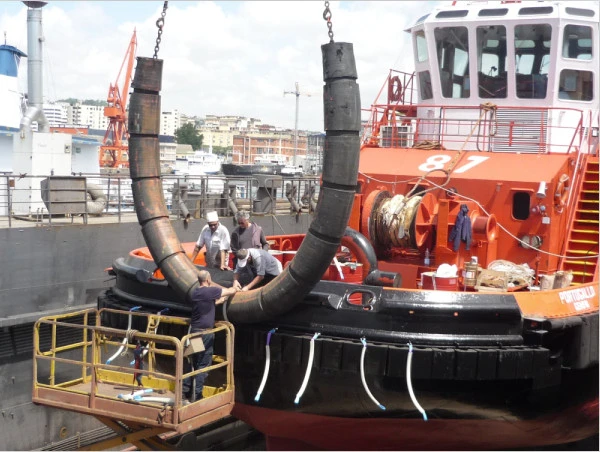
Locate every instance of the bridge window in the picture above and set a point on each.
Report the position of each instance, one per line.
(576, 85)
(521, 205)
(532, 60)
(452, 47)
(536, 10)
(493, 12)
(491, 54)
(577, 42)
(452, 13)
(425, 85)
(421, 44)
(580, 12)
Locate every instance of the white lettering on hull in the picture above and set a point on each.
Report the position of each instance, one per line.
(578, 297)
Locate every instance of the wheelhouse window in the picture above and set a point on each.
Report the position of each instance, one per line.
(576, 85)
(421, 45)
(452, 46)
(425, 85)
(580, 12)
(577, 42)
(532, 60)
(491, 61)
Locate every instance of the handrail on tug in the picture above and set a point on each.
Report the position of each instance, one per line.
(73, 363)
(341, 100)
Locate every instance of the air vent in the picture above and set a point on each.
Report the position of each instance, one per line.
(520, 131)
(398, 136)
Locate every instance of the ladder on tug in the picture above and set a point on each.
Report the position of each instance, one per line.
(81, 365)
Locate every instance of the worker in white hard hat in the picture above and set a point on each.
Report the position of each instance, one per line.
(215, 237)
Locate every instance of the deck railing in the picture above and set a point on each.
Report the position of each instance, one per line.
(483, 128)
(32, 198)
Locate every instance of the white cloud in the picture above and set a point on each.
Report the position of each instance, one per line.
(220, 57)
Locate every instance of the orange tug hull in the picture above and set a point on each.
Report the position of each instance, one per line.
(471, 214)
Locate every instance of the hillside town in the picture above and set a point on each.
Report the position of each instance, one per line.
(238, 139)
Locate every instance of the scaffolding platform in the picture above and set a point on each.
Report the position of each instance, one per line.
(80, 364)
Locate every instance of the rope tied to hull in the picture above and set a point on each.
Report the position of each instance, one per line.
(311, 357)
(362, 374)
(409, 382)
(267, 365)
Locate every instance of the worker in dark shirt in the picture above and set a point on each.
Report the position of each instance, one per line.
(246, 235)
(204, 298)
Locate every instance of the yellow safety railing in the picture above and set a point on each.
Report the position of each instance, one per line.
(71, 368)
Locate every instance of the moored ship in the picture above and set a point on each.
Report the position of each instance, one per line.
(446, 293)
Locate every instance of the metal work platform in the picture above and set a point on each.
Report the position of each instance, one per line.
(82, 365)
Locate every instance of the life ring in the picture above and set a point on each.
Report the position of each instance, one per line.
(562, 191)
(286, 245)
(394, 89)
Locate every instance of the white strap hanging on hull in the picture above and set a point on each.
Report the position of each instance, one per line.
(362, 374)
(267, 365)
(409, 382)
(311, 357)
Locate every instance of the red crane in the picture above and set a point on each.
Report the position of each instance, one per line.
(113, 151)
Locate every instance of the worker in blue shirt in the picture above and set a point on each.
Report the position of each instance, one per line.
(203, 298)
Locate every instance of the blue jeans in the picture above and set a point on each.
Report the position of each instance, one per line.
(199, 361)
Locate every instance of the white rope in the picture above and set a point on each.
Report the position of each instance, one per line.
(339, 267)
(362, 374)
(311, 356)
(267, 365)
(125, 339)
(409, 383)
(539, 250)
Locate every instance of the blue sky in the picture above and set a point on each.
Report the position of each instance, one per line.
(224, 58)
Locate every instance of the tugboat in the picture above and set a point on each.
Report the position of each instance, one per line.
(445, 295)
(270, 164)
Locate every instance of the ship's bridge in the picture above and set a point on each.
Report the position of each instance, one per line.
(538, 58)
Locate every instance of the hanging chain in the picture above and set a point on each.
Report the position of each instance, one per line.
(327, 17)
(160, 23)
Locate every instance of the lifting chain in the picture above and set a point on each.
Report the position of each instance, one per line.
(327, 17)
(160, 23)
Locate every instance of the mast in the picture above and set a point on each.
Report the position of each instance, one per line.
(297, 94)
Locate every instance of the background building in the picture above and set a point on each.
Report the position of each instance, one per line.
(249, 145)
(242, 139)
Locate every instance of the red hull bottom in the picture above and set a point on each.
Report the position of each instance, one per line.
(286, 430)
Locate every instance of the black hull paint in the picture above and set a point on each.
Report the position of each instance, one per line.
(483, 367)
(233, 169)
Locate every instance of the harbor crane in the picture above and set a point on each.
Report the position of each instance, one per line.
(297, 93)
(113, 151)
